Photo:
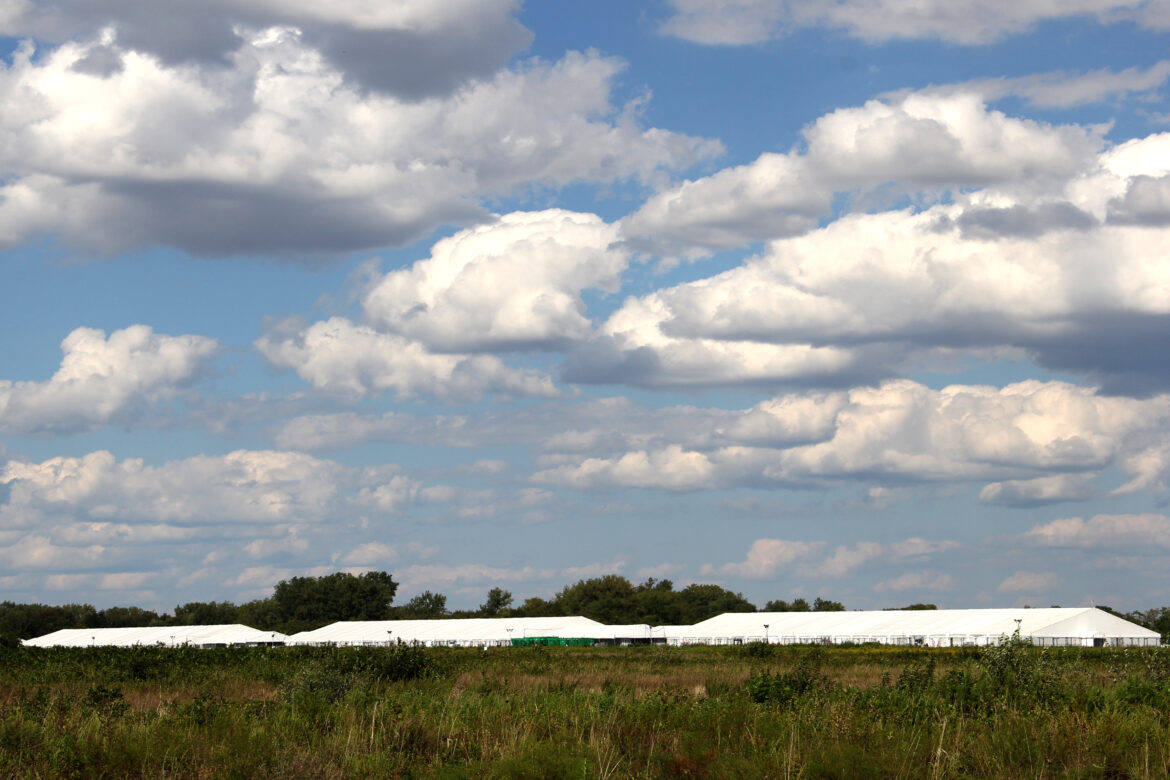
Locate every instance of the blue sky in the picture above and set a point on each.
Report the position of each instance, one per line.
(865, 299)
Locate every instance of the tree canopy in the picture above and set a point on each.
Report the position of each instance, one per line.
(303, 603)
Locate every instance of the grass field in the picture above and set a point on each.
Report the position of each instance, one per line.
(751, 711)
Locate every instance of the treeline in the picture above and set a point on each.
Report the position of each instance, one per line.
(305, 603)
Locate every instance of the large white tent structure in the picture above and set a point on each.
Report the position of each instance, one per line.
(234, 635)
(468, 632)
(1081, 627)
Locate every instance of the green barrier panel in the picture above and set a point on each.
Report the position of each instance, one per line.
(552, 641)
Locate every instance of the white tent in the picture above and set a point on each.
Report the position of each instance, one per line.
(1084, 626)
(234, 635)
(465, 632)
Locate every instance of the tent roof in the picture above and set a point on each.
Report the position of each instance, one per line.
(459, 630)
(232, 634)
(1053, 621)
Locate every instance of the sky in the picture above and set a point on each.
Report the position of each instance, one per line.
(867, 299)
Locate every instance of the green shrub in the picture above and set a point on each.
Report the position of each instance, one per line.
(757, 650)
(786, 688)
(105, 700)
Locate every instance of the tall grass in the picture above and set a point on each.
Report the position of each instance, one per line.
(1008, 711)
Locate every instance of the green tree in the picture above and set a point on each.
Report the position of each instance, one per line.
(824, 605)
(536, 607)
(608, 599)
(26, 621)
(699, 602)
(207, 613)
(303, 603)
(658, 603)
(425, 606)
(127, 617)
(779, 605)
(263, 614)
(498, 603)
(1157, 619)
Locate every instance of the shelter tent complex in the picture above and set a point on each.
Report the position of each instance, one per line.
(234, 635)
(472, 632)
(1077, 627)
(1055, 626)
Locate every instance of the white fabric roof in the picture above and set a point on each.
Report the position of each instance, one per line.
(887, 625)
(630, 631)
(233, 634)
(464, 631)
(980, 626)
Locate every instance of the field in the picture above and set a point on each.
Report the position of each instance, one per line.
(751, 711)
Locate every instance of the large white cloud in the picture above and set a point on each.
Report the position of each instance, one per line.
(1136, 532)
(670, 468)
(337, 355)
(97, 512)
(634, 348)
(277, 154)
(103, 379)
(766, 559)
(896, 275)
(769, 558)
(737, 22)
(1073, 277)
(904, 431)
(514, 283)
(845, 558)
(921, 143)
(411, 47)
(1038, 491)
(243, 486)
(1029, 582)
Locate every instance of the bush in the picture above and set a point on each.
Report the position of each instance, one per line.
(1017, 672)
(758, 650)
(785, 689)
(107, 701)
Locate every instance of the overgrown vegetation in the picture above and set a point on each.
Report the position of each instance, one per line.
(750, 711)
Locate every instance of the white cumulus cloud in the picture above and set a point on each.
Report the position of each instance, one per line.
(845, 558)
(103, 379)
(766, 558)
(1029, 581)
(337, 355)
(278, 154)
(1136, 531)
(411, 47)
(899, 431)
(923, 142)
(514, 283)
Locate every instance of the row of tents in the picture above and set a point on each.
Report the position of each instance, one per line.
(1081, 627)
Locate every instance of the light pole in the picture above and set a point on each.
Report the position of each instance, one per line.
(389, 641)
(509, 630)
(765, 633)
(1018, 622)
